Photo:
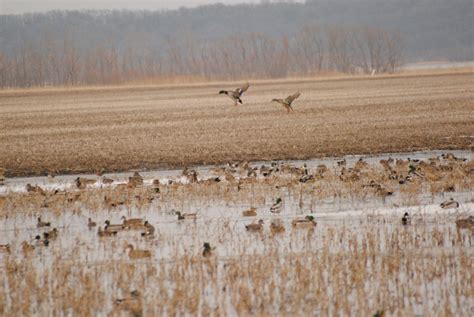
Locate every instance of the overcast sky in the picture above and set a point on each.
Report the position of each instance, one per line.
(22, 6)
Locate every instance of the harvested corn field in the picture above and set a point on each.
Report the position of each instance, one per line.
(87, 130)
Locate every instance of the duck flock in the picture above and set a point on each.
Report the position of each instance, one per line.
(400, 172)
(235, 96)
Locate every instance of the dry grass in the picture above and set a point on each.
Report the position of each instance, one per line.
(86, 130)
(350, 266)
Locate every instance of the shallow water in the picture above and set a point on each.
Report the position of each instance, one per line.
(346, 227)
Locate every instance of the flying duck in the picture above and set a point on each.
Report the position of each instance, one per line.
(236, 94)
(287, 101)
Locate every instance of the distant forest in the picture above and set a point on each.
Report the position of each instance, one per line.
(220, 42)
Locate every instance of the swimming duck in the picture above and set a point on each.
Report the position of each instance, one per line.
(287, 101)
(306, 178)
(277, 227)
(35, 189)
(191, 175)
(106, 180)
(91, 223)
(41, 224)
(236, 94)
(277, 206)
(137, 254)
(252, 212)
(307, 222)
(255, 226)
(207, 250)
(406, 219)
(451, 203)
(467, 223)
(83, 182)
(186, 216)
(135, 180)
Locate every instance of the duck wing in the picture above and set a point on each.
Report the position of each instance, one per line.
(241, 90)
(291, 98)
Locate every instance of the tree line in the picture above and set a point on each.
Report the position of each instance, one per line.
(310, 51)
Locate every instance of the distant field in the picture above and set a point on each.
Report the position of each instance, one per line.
(121, 128)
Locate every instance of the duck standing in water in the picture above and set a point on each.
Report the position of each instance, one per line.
(287, 101)
(236, 94)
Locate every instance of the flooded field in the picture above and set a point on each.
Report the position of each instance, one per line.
(243, 242)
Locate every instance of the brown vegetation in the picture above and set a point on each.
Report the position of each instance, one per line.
(111, 129)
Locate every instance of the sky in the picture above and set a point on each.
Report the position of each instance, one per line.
(22, 6)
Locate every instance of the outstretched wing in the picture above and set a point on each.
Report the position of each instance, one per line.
(242, 89)
(291, 98)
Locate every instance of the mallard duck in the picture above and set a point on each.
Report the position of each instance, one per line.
(191, 175)
(114, 227)
(149, 229)
(106, 233)
(207, 250)
(5, 248)
(106, 180)
(135, 180)
(83, 182)
(35, 189)
(277, 227)
(467, 223)
(277, 206)
(91, 223)
(306, 178)
(255, 226)
(252, 212)
(236, 94)
(451, 203)
(307, 222)
(137, 254)
(41, 224)
(406, 219)
(287, 101)
(186, 216)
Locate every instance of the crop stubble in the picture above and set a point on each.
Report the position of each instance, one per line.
(121, 128)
